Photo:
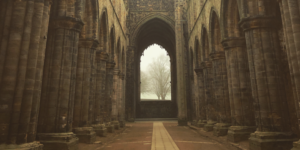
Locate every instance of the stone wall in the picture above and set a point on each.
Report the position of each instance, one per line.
(156, 109)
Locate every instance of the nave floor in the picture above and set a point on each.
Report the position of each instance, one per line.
(156, 135)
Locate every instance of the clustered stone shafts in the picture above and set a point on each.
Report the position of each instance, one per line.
(99, 115)
(130, 103)
(220, 86)
(201, 98)
(22, 53)
(211, 112)
(240, 94)
(108, 91)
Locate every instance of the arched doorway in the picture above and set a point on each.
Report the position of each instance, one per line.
(158, 31)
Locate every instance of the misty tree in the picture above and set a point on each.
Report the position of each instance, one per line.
(145, 83)
(159, 74)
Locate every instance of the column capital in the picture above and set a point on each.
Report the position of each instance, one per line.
(233, 42)
(88, 43)
(206, 64)
(198, 71)
(110, 65)
(68, 23)
(217, 55)
(117, 71)
(101, 55)
(259, 22)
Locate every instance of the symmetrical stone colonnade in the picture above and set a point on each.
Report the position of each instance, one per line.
(58, 84)
(248, 86)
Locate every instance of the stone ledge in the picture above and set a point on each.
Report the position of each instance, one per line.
(244, 145)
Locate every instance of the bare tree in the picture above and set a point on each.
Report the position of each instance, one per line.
(159, 73)
(145, 83)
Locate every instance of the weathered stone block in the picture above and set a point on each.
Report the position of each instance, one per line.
(221, 129)
(85, 134)
(27, 146)
(201, 123)
(122, 124)
(58, 141)
(209, 126)
(110, 128)
(271, 141)
(100, 130)
(296, 145)
(116, 125)
(239, 133)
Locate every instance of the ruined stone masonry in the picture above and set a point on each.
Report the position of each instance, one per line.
(69, 69)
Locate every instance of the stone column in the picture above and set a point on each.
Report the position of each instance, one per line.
(201, 98)
(115, 99)
(24, 26)
(240, 94)
(271, 109)
(99, 103)
(211, 112)
(58, 89)
(221, 95)
(130, 101)
(291, 15)
(180, 64)
(122, 101)
(81, 124)
(108, 96)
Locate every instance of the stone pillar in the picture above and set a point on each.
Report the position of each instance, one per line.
(211, 112)
(201, 98)
(221, 95)
(180, 64)
(291, 15)
(115, 99)
(99, 103)
(24, 26)
(122, 101)
(81, 124)
(130, 101)
(58, 89)
(240, 94)
(108, 96)
(264, 57)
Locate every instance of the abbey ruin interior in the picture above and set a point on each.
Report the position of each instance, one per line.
(70, 71)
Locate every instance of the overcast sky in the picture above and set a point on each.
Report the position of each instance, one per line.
(150, 53)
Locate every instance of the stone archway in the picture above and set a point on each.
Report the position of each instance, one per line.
(150, 31)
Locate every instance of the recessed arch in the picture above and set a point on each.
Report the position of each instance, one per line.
(205, 44)
(215, 33)
(103, 30)
(112, 43)
(197, 53)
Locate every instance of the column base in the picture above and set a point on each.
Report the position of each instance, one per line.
(25, 146)
(201, 123)
(131, 120)
(296, 145)
(182, 122)
(271, 141)
(209, 126)
(58, 141)
(116, 125)
(240, 133)
(221, 129)
(85, 134)
(100, 130)
(122, 124)
(194, 122)
(110, 128)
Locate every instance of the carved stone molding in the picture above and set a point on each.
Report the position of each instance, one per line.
(206, 64)
(233, 42)
(88, 43)
(217, 55)
(259, 22)
(101, 55)
(67, 23)
(110, 65)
